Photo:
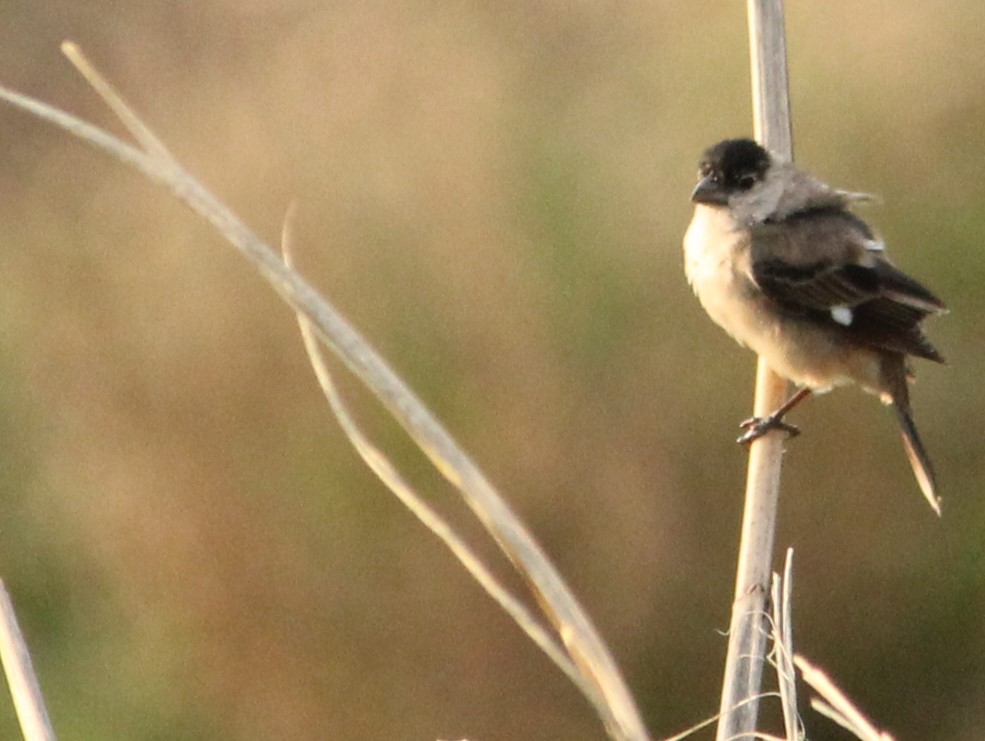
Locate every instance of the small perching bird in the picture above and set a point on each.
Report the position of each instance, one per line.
(779, 261)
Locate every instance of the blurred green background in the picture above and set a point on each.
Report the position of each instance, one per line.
(495, 193)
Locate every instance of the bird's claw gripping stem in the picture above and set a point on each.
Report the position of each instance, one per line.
(756, 427)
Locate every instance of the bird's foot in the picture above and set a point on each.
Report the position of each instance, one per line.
(756, 427)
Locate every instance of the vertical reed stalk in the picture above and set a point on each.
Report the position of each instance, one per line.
(748, 632)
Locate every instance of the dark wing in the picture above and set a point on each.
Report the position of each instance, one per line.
(853, 290)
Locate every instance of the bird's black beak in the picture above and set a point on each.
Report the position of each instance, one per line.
(710, 192)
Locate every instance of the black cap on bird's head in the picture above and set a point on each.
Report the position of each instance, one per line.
(729, 167)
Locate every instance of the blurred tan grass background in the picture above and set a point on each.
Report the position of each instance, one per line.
(495, 194)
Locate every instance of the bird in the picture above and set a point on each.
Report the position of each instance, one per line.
(782, 263)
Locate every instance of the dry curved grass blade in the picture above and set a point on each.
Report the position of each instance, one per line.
(21, 679)
(147, 139)
(384, 469)
(836, 705)
(781, 592)
(582, 641)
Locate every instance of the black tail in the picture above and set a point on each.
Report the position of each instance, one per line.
(923, 469)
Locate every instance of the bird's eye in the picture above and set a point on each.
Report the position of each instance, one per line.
(747, 181)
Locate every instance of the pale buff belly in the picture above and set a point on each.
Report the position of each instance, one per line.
(808, 354)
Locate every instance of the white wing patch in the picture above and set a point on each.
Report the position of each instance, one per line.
(843, 315)
(875, 245)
